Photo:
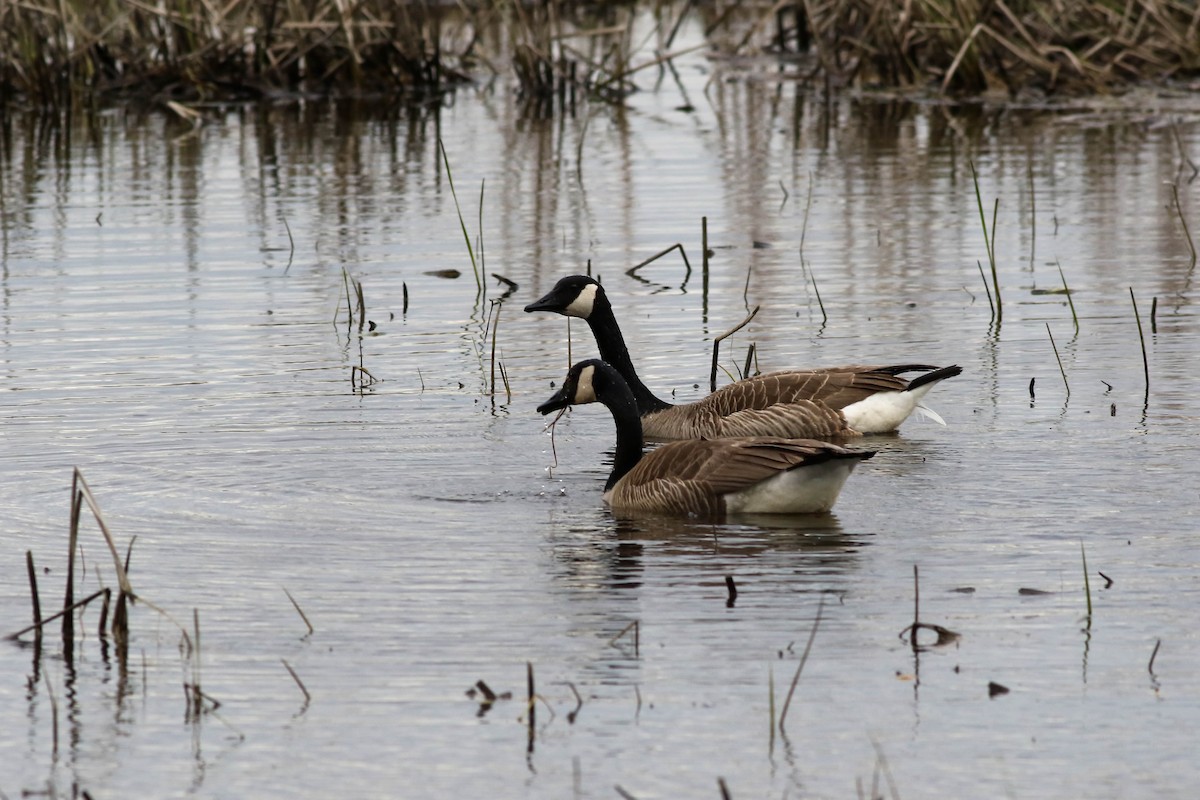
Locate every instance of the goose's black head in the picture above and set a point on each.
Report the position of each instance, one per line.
(579, 387)
(573, 296)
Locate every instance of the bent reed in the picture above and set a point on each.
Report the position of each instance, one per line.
(55, 53)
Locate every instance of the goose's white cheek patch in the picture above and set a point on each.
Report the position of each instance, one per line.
(584, 391)
(583, 303)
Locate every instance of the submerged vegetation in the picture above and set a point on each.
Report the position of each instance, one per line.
(61, 52)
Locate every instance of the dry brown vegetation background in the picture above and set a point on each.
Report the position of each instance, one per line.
(64, 52)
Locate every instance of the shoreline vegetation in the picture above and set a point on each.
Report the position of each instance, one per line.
(61, 54)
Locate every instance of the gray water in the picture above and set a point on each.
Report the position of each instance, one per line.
(164, 333)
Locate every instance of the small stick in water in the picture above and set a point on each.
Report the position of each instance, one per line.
(732, 587)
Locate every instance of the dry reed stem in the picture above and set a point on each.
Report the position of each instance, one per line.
(1142, 339)
(712, 380)
(299, 611)
(296, 678)
(33, 593)
(65, 612)
(812, 634)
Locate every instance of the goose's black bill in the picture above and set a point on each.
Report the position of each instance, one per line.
(560, 400)
(553, 301)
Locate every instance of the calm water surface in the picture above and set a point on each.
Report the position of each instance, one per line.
(163, 332)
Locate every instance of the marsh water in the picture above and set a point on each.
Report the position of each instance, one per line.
(174, 325)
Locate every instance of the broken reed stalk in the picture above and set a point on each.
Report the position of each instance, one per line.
(33, 592)
(986, 288)
(81, 489)
(197, 696)
(362, 306)
(507, 385)
(1070, 300)
(1153, 655)
(1142, 339)
(479, 284)
(68, 624)
(1154, 315)
(800, 667)
(633, 626)
(296, 678)
(495, 327)
(807, 208)
(299, 611)
(749, 359)
(1183, 221)
(291, 242)
(771, 707)
(482, 259)
(824, 317)
(632, 271)
(712, 380)
(532, 704)
(349, 305)
(53, 617)
(989, 241)
(102, 627)
(53, 711)
(1087, 587)
(1059, 358)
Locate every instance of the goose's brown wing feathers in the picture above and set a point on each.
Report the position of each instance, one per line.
(835, 389)
(691, 477)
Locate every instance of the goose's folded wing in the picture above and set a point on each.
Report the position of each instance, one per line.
(833, 389)
(729, 465)
(800, 419)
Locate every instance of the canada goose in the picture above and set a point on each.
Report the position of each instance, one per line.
(834, 401)
(705, 477)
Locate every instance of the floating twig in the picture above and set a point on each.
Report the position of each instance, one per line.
(632, 271)
(945, 635)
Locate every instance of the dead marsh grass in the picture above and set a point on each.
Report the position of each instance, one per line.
(57, 53)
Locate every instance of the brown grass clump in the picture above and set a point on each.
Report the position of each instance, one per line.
(56, 50)
(972, 46)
